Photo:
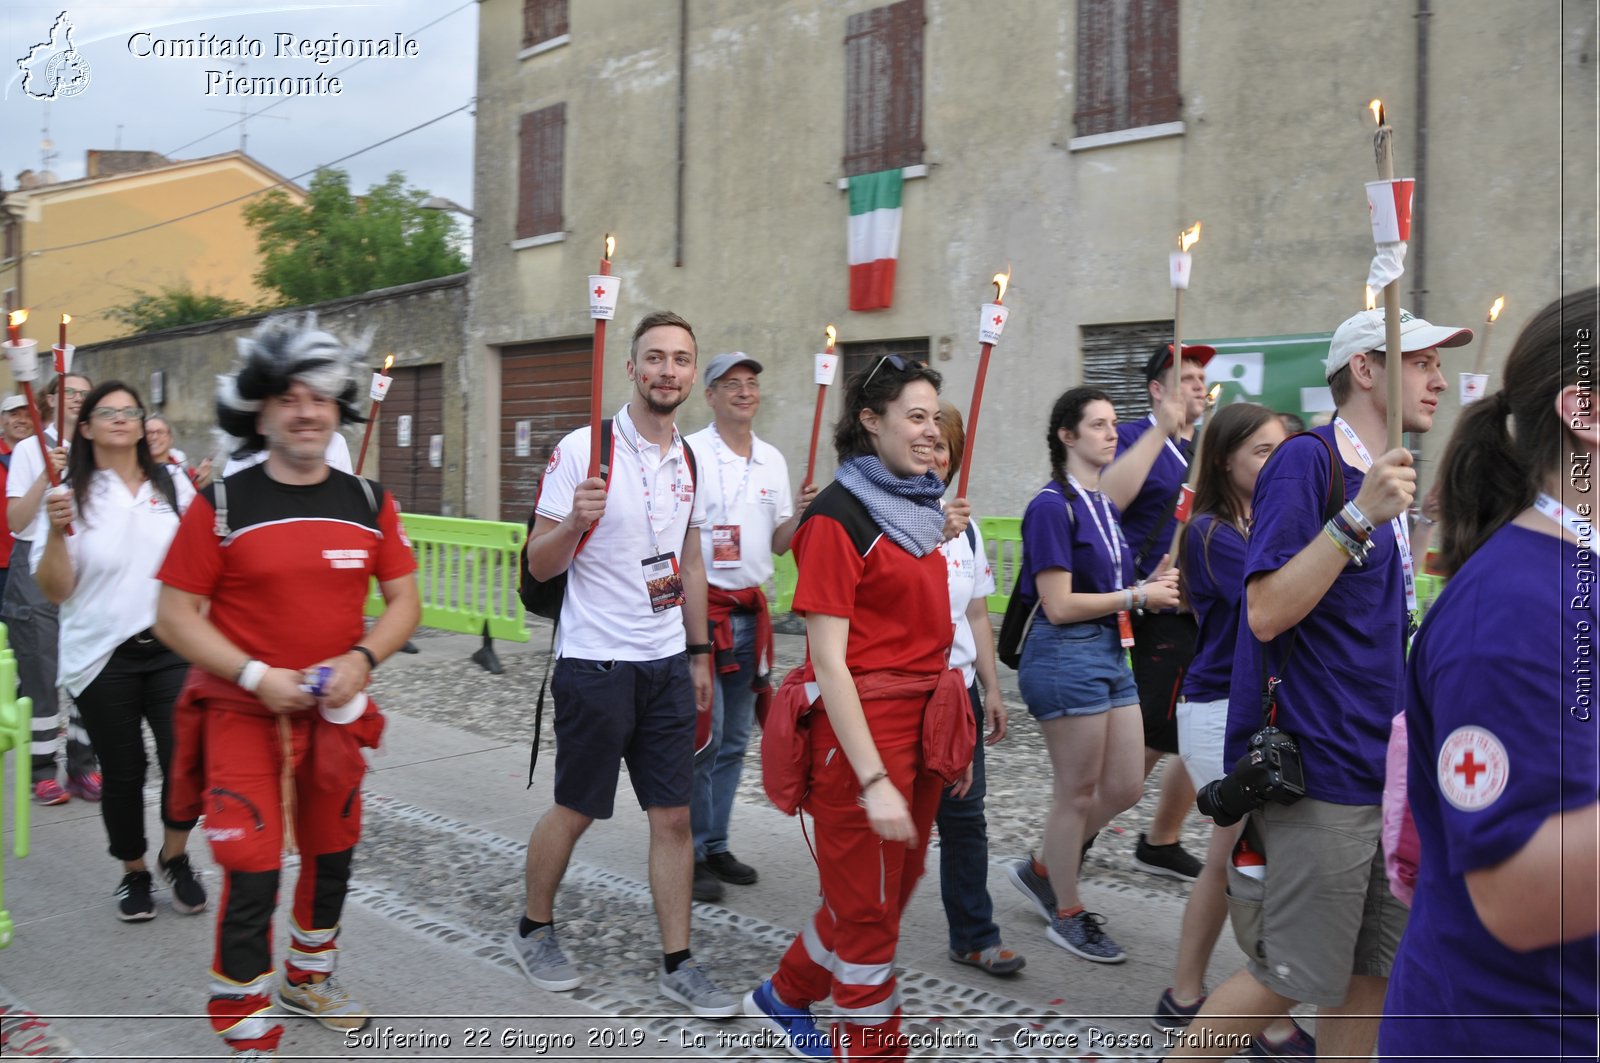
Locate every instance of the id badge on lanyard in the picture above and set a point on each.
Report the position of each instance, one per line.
(1112, 541)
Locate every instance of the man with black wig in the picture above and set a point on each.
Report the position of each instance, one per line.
(264, 590)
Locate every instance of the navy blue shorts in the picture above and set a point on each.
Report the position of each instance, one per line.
(611, 712)
(1074, 670)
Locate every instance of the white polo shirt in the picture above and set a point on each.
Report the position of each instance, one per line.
(971, 576)
(606, 615)
(27, 463)
(752, 495)
(337, 454)
(116, 551)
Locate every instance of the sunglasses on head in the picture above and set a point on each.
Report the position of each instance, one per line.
(901, 365)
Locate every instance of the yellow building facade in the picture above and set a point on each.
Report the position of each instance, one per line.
(88, 246)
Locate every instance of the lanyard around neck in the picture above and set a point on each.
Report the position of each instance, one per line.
(731, 502)
(1177, 451)
(1112, 540)
(673, 450)
(1402, 534)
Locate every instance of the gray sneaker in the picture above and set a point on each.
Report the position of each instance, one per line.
(1081, 934)
(541, 959)
(1034, 886)
(692, 987)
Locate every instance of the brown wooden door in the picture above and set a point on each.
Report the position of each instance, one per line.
(544, 389)
(411, 437)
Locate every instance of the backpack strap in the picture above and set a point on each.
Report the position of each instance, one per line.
(219, 502)
(972, 538)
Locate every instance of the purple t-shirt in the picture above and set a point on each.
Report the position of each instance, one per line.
(1154, 500)
(1504, 733)
(1213, 576)
(1051, 540)
(1341, 687)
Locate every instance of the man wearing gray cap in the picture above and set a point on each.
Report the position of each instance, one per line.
(1320, 657)
(750, 518)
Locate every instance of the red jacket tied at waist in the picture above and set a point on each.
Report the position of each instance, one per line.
(720, 607)
(949, 732)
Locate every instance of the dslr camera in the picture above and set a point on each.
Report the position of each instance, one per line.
(1269, 771)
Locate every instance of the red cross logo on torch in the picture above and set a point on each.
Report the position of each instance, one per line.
(599, 291)
(998, 319)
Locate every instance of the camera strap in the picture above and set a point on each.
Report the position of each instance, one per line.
(1330, 507)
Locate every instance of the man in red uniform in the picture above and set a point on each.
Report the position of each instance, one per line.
(264, 590)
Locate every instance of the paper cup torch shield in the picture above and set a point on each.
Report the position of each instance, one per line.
(827, 368)
(24, 358)
(992, 323)
(603, 297)
(1389, 203)
(380, 386)
(1178, 266)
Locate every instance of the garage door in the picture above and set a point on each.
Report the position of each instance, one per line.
(544, 395)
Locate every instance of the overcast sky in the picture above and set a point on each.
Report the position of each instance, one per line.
(157, 103)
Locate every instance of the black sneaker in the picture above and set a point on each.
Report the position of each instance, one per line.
(134, 903)
(707, 886)
(1170, 1015)
(1173, 860)
(188, 896)
(731, 869)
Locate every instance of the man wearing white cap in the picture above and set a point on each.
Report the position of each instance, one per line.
(1327, 604)
(750, 518)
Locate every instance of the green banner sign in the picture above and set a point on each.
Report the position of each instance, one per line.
(1281, 372)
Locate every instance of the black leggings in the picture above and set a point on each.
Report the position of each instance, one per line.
(140, 682)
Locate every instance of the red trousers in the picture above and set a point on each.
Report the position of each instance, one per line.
(847, 950)
(239, 757)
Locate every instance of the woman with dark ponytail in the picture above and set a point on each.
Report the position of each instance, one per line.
(1074, 673)
(1504, 763)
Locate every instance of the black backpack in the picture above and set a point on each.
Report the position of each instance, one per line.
(544, 597)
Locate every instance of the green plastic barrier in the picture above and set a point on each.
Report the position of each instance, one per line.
(16, 735)
(1002, 541)
(784, 578)
(466, 575)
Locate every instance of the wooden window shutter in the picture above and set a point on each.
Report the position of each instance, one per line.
(1152, 62)
(543, 20)
(540, 169)
(883, 88)
(1095, 108)
(1114, 358)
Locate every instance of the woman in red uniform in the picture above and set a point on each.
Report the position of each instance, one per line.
(874, 592)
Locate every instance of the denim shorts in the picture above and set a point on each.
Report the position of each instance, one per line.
(1074, 670)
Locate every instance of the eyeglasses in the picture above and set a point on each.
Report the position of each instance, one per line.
(735, 387)
(75, 393)
(118, 413)
(900, 364)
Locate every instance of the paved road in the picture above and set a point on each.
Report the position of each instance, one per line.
(439, 882)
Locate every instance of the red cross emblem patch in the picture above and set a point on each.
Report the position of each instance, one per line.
(1473, 768)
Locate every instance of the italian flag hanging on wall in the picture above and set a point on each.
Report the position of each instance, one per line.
(874, 238)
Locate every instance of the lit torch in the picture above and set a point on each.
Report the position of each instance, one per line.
(991, 323)
(602, 307)
(24, 358)
(1488, 327)
(63, 359)
(1383, 153)
(380, 390)
(1372, 299)
(1186, 495)
(827, 367)
(1179, 263)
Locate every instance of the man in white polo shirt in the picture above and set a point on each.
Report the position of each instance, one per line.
(750, 518)
(632, 621)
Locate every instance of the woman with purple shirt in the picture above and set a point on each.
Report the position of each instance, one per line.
(1504, 936)
(1074, 673)
(1211, 559)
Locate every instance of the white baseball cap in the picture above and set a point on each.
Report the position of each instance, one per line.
(1364, 332)
(12, 402)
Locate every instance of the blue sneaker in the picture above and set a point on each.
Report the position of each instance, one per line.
(1081, 935)
(1298, 1045)
(1033, 886)
(797, 1025)
(1170, 1015)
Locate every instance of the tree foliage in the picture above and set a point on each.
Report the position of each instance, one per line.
(171, 307)
(337, 244)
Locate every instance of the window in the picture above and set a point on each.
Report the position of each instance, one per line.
(543, 20)
(13, 236)
(861, 357)
(1127, 65)
(883, 88)
(542, 148)
(1114, 358)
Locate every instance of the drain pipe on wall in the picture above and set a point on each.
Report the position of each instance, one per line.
(1419, 208)
(683, 101)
